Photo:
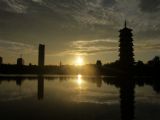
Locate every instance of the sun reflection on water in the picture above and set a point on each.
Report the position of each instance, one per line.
(79, 79)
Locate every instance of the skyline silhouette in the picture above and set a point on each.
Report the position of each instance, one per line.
(124, 65)
(89, 31)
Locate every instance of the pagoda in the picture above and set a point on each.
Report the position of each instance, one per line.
(126, 50)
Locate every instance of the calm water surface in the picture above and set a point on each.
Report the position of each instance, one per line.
(78, 98)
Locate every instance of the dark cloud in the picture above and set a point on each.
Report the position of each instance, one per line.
(108, 3)
(48, 19)
(148, 35)
(150, 6)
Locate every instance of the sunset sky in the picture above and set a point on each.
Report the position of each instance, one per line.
(71, 28)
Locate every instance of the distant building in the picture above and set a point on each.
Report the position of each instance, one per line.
(60, 64)
(20, 61)
(41, 55)
(126, 47)
(1, 60)
(99, 63)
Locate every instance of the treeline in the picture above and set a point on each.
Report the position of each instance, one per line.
(151, 68)
(90, 69)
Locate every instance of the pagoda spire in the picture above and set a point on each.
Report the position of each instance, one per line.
(125, 23)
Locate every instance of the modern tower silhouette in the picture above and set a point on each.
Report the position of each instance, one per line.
(126, 47)
(41, 55)
(1, 60)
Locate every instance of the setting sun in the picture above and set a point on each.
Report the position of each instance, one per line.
(79, 61)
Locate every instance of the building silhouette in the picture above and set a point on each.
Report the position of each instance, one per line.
(60, 64)
(1, 60)
(99, 63)
(20, 61)
(41, 55)
(126, 47)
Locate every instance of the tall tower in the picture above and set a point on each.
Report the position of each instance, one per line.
(126, 47)
(41, 55)
(1, 60)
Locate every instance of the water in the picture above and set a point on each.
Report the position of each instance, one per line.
(78, 98)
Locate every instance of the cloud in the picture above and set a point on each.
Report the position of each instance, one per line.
(91, 47)
(98, 46)
(38, 1)
(17, 47)
(90, 51)
(13, 6)
(150, 6)
(91, 14)
(148, 46)
(98, 42)
(106, 3)
(102, 46)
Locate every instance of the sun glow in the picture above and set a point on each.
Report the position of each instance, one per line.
(79, 61)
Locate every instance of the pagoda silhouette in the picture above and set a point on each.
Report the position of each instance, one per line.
(126, 54)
